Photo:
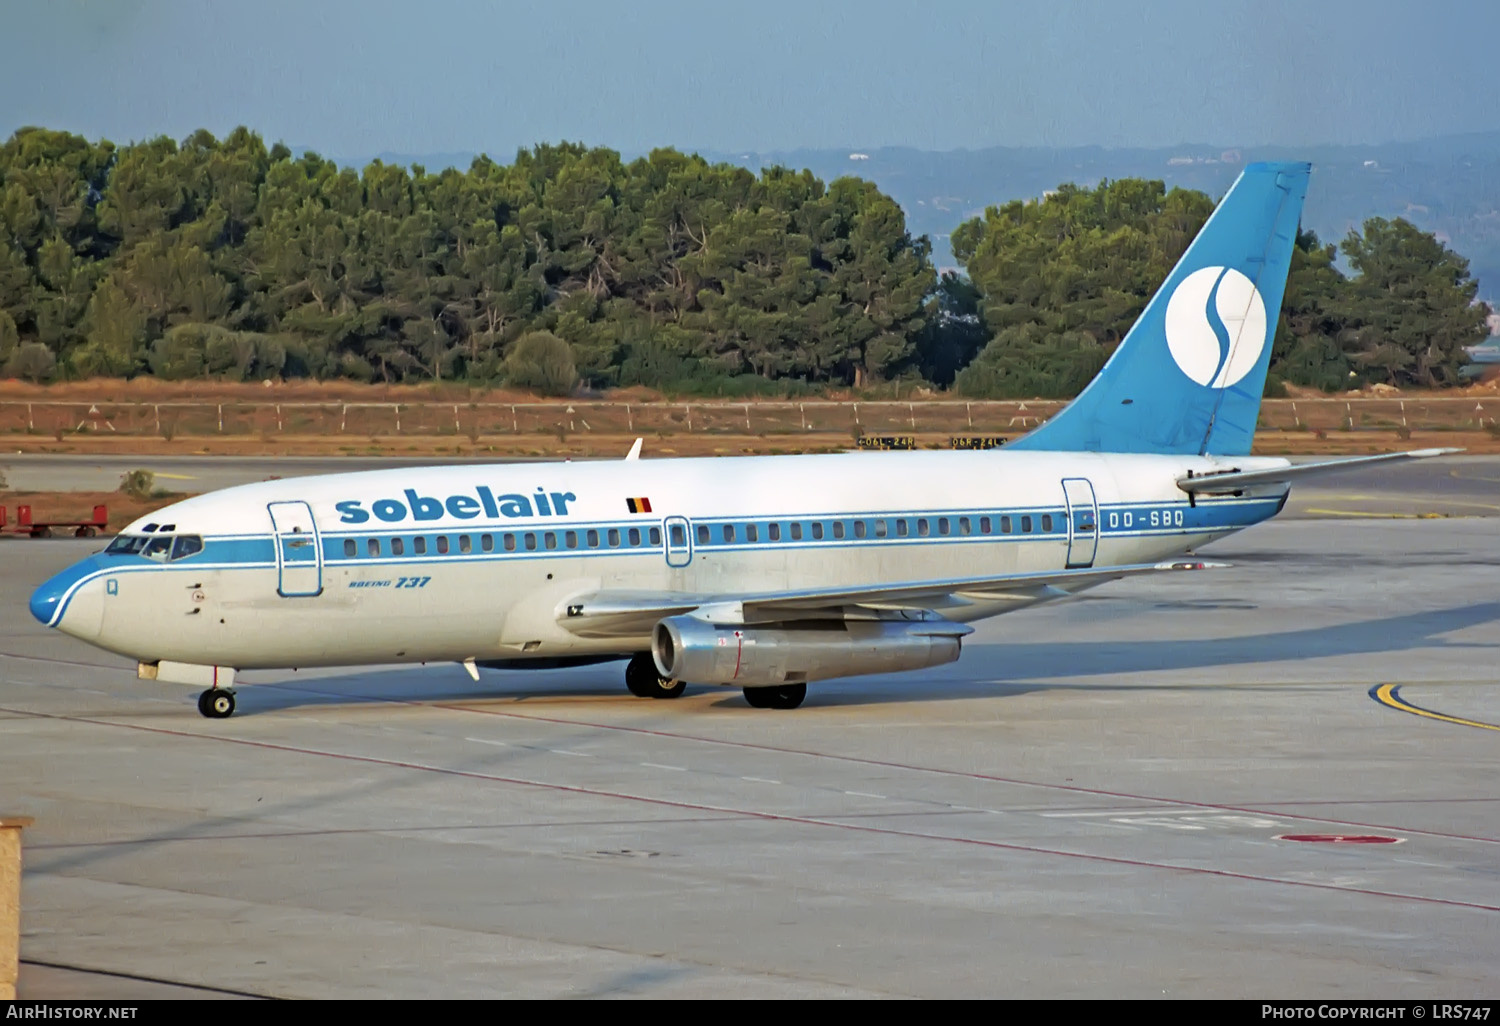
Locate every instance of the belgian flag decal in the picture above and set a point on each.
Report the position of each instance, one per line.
(639, 505)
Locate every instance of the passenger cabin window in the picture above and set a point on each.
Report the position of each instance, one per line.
(751, 534)
(350, 548)
(530, 542)
(593, 539)
(550, 540)
(859, 529)
(1046, 521)
(464, 544)
(510, 543)
(773, 532)
(442, 544)
(942, 525)
(964, 526)
(1025, 525)
(372, 546)
(728, 534)
(614, 538)
(1005, 525)
(796, 532)
(702, 534)
(655, 534)
(677, 534)
(419, 545)
(838, 528)
(901, 529)
(922, 529)
(984, 525)
(398, 547)
(487, 542)
(570, 539)
(817, 529)
(635, 537)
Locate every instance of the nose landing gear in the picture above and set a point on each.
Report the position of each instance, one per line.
(216, 703)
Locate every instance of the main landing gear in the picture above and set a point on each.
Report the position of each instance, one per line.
(216, 703)
(645, 681)
(782, 696)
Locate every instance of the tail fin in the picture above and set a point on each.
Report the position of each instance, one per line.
(1189, 375)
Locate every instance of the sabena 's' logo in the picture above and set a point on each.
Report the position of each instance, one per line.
(1216, 326)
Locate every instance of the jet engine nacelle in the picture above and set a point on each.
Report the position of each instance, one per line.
(689, 649)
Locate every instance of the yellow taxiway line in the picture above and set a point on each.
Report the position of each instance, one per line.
(1389, 695)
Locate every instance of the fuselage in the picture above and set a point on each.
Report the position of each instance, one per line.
(475, 562)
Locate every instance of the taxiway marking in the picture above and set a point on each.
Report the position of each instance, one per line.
(1390, 695)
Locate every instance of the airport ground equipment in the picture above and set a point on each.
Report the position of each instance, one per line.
(27, 524)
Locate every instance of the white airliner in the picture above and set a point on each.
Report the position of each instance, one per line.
(763, 573)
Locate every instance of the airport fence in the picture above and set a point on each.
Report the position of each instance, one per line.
(475, 420)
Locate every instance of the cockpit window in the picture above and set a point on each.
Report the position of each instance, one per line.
(160, 547)
(186, 545)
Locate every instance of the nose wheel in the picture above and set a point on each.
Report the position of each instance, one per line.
(216, 703)
(644, 680)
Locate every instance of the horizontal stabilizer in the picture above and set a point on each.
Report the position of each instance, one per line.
(1237, 480)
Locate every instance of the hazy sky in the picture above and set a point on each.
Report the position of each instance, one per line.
(357, 77)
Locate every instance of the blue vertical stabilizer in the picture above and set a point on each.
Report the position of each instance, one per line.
(1189, 375)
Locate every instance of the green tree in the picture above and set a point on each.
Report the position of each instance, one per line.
(541, 361)
(1410, 308)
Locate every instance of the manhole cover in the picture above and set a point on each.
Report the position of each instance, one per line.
(1341, 838)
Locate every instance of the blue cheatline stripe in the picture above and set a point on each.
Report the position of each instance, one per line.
(248, 551)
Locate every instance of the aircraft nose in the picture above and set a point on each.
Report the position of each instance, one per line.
(46, 600)
(51, 601)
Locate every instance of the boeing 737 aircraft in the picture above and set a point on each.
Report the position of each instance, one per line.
(763, 573)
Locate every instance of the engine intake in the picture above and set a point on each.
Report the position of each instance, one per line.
(689, 649)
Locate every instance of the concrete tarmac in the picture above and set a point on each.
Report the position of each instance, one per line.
(1100, 799)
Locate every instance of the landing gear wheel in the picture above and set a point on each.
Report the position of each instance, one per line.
(782, 696)
(216, 703)
(644, 680)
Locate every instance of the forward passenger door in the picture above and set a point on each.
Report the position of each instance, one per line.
(299, 556)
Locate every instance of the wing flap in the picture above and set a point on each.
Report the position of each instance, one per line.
(1230, 481)
(608, 614)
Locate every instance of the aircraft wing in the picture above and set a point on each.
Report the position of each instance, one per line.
(1236, 480)
(609, 614)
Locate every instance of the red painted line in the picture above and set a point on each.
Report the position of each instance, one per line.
(271, 835)
(63, 662)
(762, 815)
(1379, 801)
